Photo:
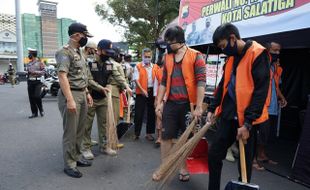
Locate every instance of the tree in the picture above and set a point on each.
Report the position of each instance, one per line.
(139, 18)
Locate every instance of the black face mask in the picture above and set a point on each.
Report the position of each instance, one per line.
(30, 56)
(274, 57)
(170, 50)
(104, 58)
(83, 41)
(230, 51)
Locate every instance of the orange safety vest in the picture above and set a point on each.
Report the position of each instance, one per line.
(188, 71)
(244, 84)
(143, 78)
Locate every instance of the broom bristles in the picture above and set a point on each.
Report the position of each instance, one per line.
(174, 162)
(111, 127)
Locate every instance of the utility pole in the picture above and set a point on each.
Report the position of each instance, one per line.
(20, 56)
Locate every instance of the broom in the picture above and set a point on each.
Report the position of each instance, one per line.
(175, 161)
(111, 127)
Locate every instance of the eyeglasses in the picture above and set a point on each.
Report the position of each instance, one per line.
(148, 57)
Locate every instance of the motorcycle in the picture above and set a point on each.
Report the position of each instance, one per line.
(50, 83)
(5, 79)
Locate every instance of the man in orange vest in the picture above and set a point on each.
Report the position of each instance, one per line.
(144, 79)
(240, 100)
(268, 130)
(183, 84)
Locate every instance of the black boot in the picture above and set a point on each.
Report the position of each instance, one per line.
(33, 116)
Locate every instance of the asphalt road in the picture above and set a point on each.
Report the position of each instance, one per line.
(31, 156)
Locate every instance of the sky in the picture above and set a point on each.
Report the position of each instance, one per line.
(79, 10)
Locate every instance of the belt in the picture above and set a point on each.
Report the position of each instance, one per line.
(78, 89)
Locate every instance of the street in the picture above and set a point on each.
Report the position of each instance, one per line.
(31, 156)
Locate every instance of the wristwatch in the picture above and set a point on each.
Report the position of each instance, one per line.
(248, 126)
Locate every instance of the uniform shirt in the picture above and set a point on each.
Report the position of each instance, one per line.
(35, 68)
(71, 61)
(149, 70)
(178, 91)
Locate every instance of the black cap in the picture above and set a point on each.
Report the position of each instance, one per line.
(106, 45)
(78, 27)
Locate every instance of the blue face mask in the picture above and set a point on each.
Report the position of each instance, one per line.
(230, 51)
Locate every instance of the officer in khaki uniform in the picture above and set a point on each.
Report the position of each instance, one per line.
(99, 75)
(116, 80)
(73, 97)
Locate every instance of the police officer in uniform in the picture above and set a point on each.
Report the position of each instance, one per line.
(73, 97)
(116, 79)
(98, 75)
(35, 70)
(11, 71)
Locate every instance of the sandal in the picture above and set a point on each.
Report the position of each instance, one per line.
(157, 144)
(184, 177)
(258, 167)
(156, 177)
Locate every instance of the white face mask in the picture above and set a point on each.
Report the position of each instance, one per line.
(147, 60)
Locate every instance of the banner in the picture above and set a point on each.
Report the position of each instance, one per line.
(200, 18)
(214, 71)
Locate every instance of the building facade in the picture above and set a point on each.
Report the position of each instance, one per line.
(46, 33)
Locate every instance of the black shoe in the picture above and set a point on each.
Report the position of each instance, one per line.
(83, 163)
(73, 172)
(33, 116)
(42, 113)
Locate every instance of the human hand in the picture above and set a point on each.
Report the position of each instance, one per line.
(71, 106)
(129, 91)
(197, 112)
(90, 101)
(282, 102)
(105, 90)
(145, 93)
(243, 133)
(210, 118)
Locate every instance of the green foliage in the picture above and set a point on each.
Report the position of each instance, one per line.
(138, 18)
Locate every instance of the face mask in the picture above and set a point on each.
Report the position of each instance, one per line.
(104, 58)
(230, 51)
(274, 57)
(83, 41)
(30, 56)
(146, 60)
(170, 50)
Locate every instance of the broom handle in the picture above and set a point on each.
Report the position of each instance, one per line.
(242, 162)
(128, 108)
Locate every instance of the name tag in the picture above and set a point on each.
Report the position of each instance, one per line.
(94, 67)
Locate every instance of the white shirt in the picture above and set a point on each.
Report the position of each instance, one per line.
(149, 74)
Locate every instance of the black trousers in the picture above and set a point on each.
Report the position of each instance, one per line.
(141, 103)
(34, 93)
(225, 136)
